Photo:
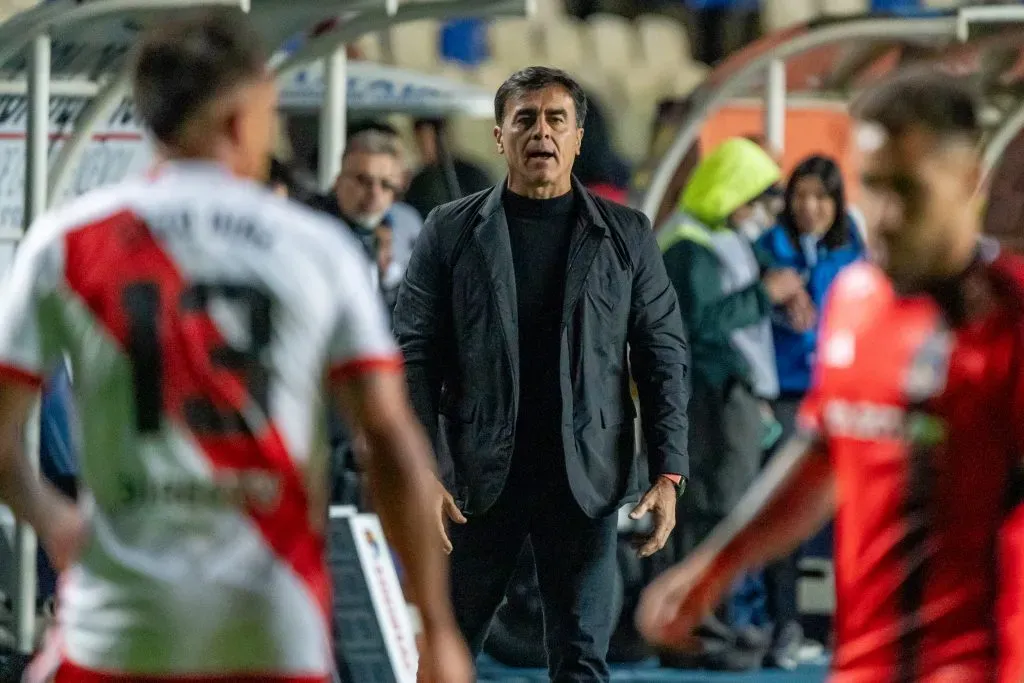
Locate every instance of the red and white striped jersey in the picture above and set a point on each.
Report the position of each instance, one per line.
(202, 315)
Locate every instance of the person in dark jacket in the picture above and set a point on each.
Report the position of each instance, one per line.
(523, 309)
(816, 237)
(431, 186)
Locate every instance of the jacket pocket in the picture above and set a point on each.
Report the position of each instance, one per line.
(615, 415)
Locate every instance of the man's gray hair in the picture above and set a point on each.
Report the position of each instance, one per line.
(373, 142)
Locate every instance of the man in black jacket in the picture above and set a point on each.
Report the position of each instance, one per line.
(523, 309)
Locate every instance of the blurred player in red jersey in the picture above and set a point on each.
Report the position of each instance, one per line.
(912, 434)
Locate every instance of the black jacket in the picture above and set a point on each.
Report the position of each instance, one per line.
(456, 323)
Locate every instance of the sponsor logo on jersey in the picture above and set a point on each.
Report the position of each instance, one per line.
(252, 489)
(866, 421)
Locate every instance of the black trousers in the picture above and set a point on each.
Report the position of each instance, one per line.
(576, 565)
(780, 577)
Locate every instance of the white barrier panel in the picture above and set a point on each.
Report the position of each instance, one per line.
(118, 149)
(373, 629)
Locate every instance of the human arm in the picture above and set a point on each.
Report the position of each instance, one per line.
(29, 343)
(422, 325)
(398, 464)
(370, 391)
(420, 321)
(32, 499)
(659, 359)
(707, 311)
(792, 499)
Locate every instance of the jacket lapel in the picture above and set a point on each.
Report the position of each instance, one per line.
(491, 237)
(587, 236)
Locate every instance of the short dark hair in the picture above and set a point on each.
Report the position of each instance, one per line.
(534, 78)
(183, 64)
(940, 102)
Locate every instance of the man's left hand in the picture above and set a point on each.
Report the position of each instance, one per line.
(660, 501)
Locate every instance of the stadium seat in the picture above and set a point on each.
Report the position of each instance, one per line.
(513, 42)
(550, 9)
(663, 41)
(780, 14)
(369, 46)
(474, 139)
(489, 75)
(943, 4)
(562, 44)
(414, 44)
(9, 8)
(841, 8)
(612, 44)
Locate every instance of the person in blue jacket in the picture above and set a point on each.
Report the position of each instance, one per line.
(817, 237)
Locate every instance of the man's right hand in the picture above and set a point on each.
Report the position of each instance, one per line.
(446, 510)
(782, 285)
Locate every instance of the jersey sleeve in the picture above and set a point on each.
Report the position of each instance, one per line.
(361, 340)
(29, 342)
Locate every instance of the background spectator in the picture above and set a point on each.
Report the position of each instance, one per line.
(726, 307)
(816, 237)
(599, 167)
(432, 185)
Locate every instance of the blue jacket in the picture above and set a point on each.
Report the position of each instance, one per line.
(794, 350)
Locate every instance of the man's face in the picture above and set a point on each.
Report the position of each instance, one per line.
(367, 187)
(919, 197)
(254, 130)
(539, 137)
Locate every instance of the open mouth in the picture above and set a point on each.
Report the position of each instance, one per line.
(539, 154)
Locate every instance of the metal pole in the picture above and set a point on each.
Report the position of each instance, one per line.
(332, 117)
(775, 106)
(37, 141)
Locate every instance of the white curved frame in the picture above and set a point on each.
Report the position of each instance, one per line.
(955, 25)
(1001, 139)
(710, 101)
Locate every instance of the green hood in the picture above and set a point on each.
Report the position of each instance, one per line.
(736, 172)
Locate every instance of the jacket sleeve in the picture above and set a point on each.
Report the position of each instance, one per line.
(766, 259)
(706, 311)
(659, 357)
(420, 322)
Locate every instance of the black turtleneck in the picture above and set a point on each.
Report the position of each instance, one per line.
(539, 231)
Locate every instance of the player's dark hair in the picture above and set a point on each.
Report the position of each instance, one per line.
(534, 78)
(940, 102)
(183, 64)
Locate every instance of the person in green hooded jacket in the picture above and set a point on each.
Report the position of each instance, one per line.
(727, 291)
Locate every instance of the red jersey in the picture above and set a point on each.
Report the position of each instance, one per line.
(924, 431)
